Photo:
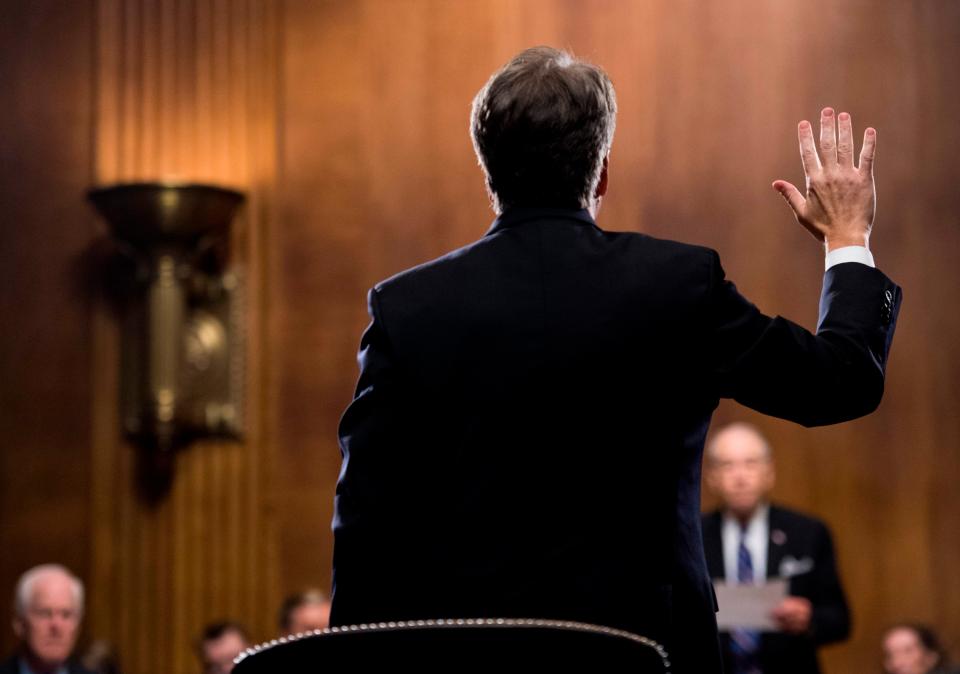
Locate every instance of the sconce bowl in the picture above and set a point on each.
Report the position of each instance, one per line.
(147, 214)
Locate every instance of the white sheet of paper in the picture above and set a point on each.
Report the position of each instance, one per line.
(749, 606)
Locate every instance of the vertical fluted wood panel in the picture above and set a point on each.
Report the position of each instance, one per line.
(186, 90)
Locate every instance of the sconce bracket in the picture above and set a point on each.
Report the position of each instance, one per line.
(211, 372)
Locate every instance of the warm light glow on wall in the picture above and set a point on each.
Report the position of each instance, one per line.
(185, 91)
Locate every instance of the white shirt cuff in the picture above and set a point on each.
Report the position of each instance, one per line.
(849, 254)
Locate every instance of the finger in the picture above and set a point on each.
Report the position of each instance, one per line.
(868, 150)
(844, 140)
(808, 151)
(828, 137)
(791, 194)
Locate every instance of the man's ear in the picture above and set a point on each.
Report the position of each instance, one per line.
(602, 185)
(17, 626)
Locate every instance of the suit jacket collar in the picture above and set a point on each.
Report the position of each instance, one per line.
(517, 216)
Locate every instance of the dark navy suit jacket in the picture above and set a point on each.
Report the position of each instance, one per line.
(806, 542)
(527, 430)
(12, 666)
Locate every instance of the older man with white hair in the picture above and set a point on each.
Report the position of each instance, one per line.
(47, 609)
(749, 540)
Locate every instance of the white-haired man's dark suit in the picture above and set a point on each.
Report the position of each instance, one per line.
(800, 549)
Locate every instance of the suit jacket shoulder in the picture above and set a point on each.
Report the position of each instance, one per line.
(795, 519)
(666, 257)
(532, 282)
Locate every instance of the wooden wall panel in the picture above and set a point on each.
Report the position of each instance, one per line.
(45, 104)
(378, 174)
(186, 90)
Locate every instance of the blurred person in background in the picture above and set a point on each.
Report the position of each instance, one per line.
(47, 610)
(914, 649)
(218, 645)
(101, 658)
(304, 612)
(750, 540)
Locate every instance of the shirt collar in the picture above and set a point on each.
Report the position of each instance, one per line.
(759, 519)
(517, 216)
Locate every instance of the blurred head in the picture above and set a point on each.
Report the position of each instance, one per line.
(219, 644)
(740, 468)
(542, 127)
(47, 609)
(101, 658)
(912, 649)
(304, 612)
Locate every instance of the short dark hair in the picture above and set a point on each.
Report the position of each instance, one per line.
(295, 601)
(541, 127)
(215, 630)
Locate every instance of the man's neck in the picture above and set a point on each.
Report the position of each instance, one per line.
(594, 207)
(745, 518)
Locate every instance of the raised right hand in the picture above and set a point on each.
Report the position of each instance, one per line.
(840, 198)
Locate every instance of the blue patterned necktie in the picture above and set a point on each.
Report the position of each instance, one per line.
(744, 643)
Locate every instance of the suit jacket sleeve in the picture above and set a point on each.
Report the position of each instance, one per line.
(370, 426)
(831, 616)
(779, 368)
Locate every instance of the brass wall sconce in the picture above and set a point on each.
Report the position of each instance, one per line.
(182, 335)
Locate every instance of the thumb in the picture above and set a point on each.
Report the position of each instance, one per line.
(791, 194)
